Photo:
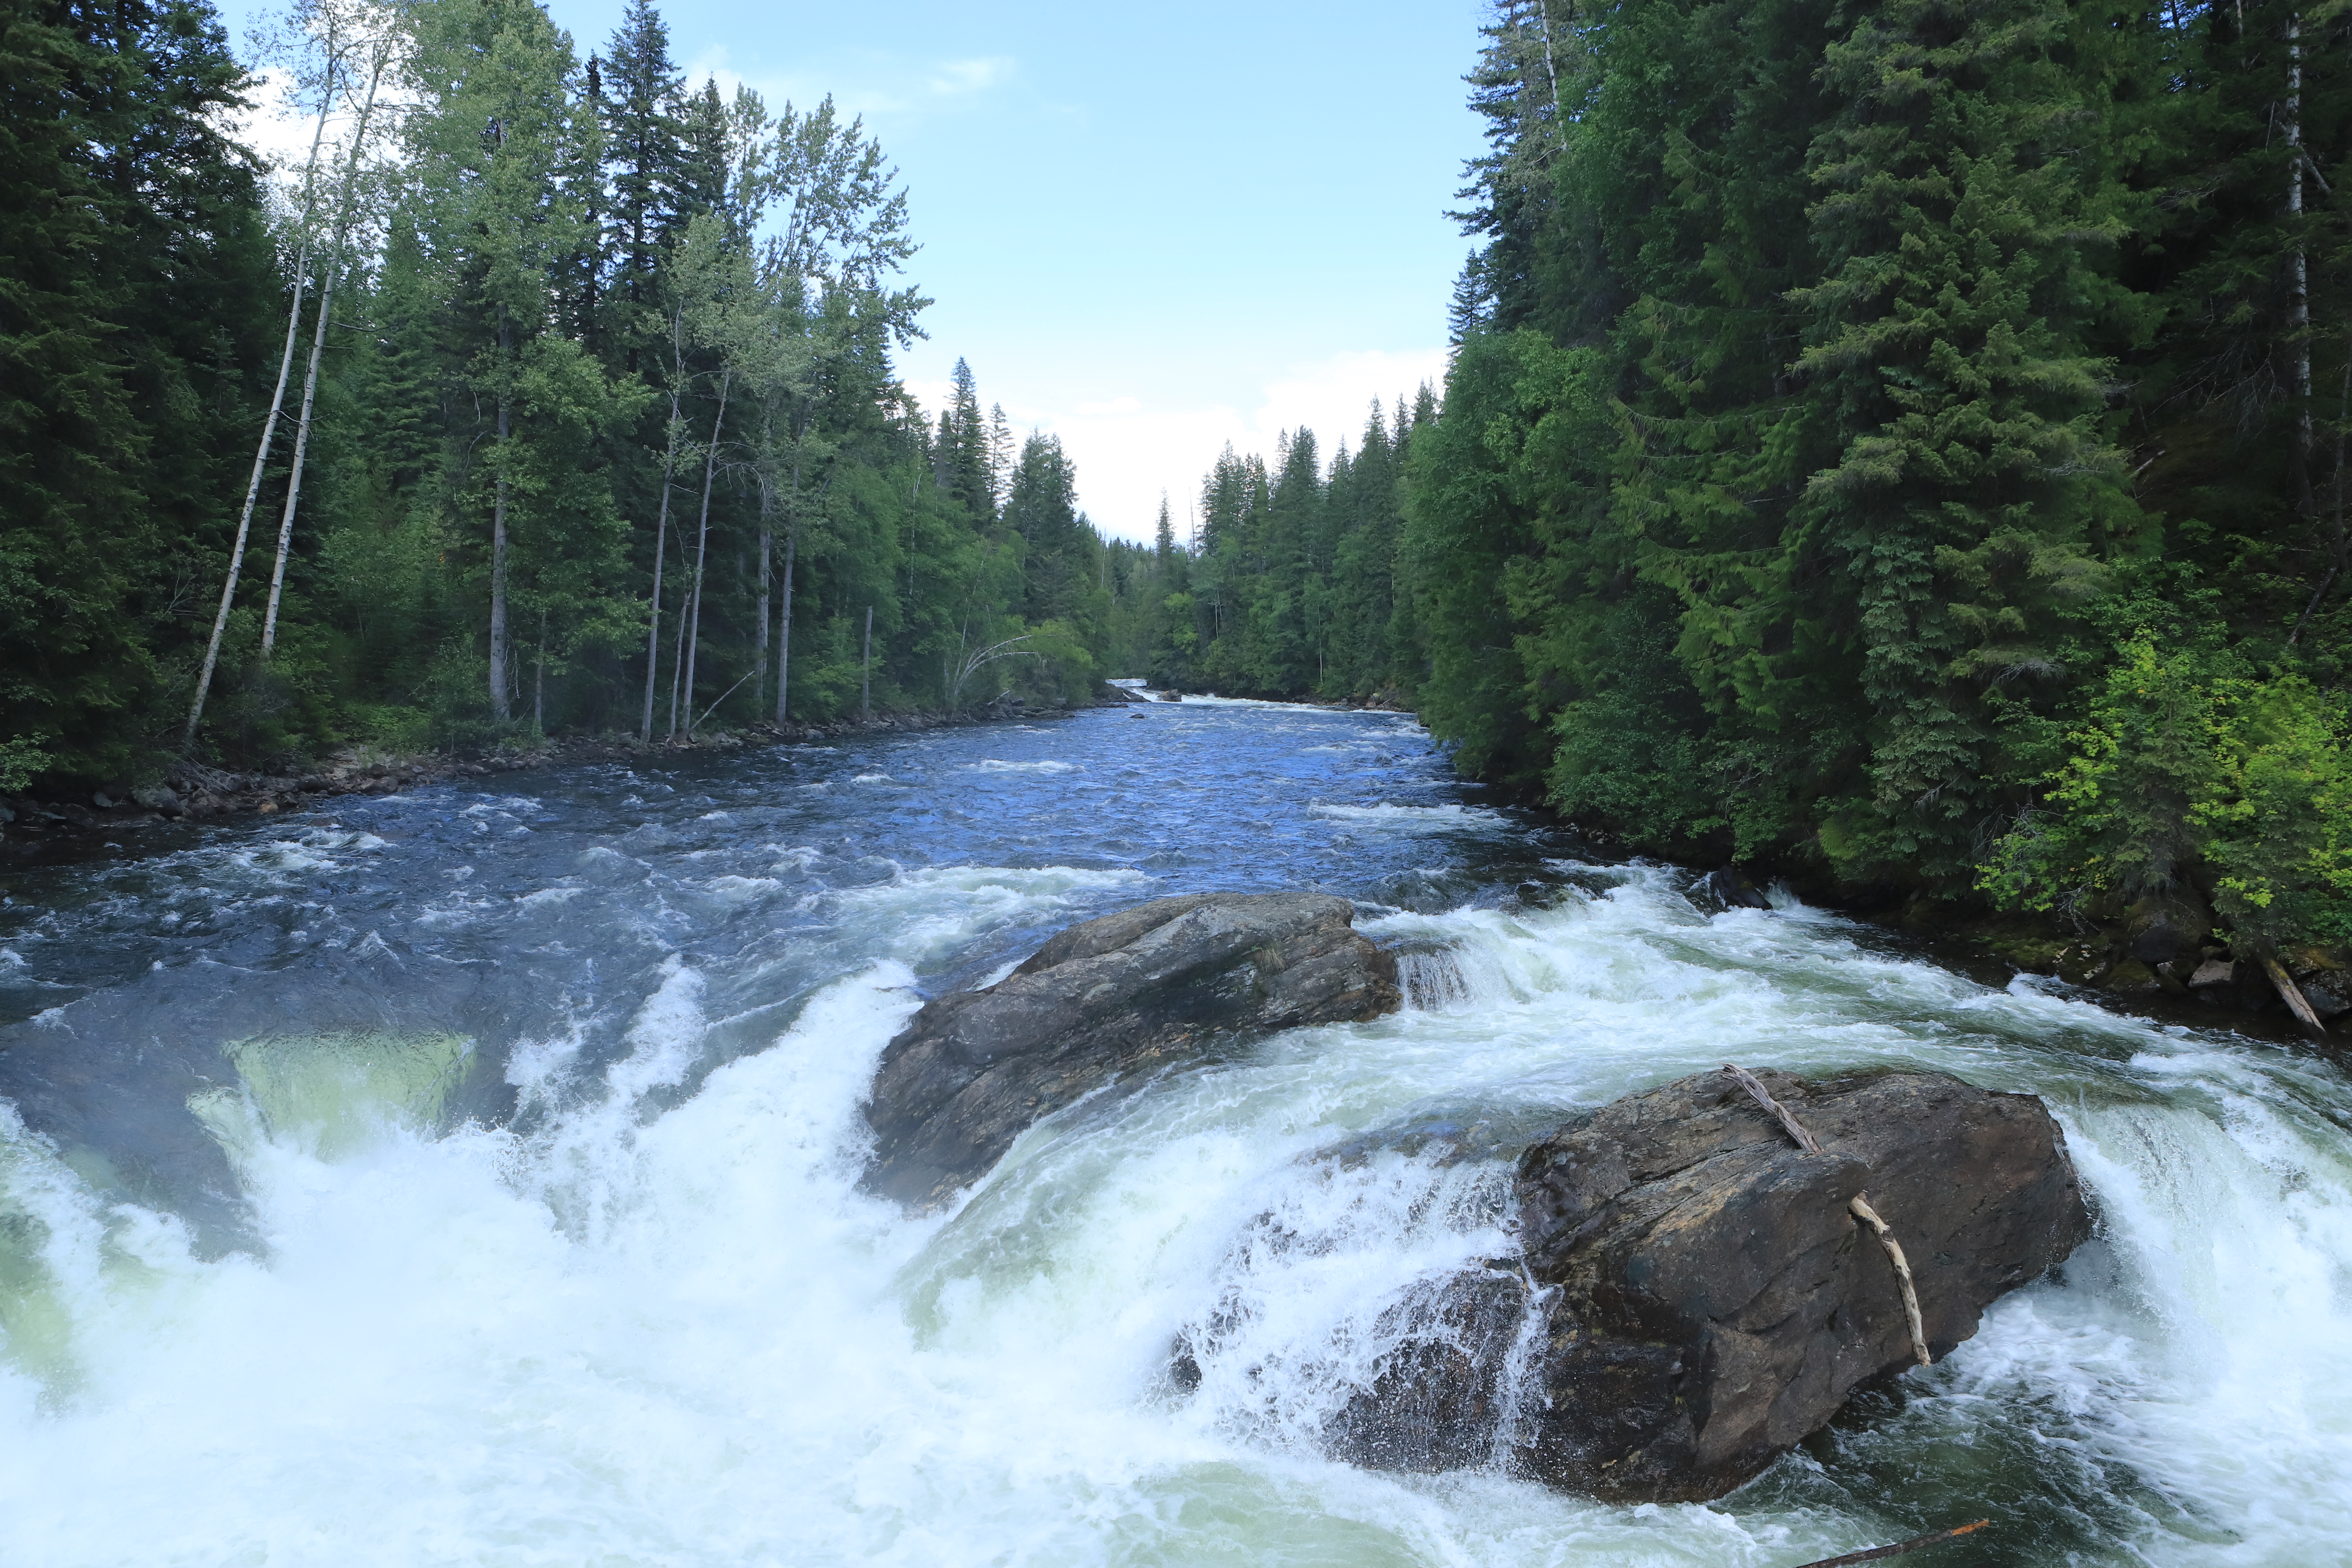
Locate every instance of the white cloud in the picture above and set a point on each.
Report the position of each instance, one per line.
(1128, 451)
(954, 77)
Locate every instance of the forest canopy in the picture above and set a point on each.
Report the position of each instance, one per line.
(1905, 444)
(545, 392)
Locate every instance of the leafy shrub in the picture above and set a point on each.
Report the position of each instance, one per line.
(2190, 767)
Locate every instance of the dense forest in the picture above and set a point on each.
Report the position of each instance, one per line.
(1898, 445)
(542, 394)
(1906, 442)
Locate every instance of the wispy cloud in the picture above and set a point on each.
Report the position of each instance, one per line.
(954, 78)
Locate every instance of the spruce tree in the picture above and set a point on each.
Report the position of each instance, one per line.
(639, 101)
(1962, 237)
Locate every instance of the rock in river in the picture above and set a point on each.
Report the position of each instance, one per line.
(1706, 1298)
(1149, 985)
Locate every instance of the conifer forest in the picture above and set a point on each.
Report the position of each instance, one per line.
(1898, 445)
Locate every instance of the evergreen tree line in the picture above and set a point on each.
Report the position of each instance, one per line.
(1905, 444)
(543, 393)
(1285, 581)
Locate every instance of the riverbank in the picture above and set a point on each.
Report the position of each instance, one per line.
(190, 790)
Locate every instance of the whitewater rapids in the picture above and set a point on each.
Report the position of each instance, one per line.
(576, 1270)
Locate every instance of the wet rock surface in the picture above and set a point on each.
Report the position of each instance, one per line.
(1702, 1297)
(1728, 888)
(1159, 983)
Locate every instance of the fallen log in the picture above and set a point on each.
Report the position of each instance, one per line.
(2292, 994)
(1900, 1547)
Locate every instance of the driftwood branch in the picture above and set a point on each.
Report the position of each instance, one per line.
(2292, 994)
(1860, 1208)
(723, 696)
(1763, 1097)
(1900, 1547)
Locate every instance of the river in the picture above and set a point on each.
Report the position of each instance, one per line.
(467, 1177)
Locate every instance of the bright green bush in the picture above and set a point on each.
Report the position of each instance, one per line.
(2190, 767)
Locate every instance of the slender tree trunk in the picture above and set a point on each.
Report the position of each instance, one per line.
(276, 406)
(2298, 308)
(498, 708)
(538, 680)
(760, 650)
(317, 348)
(785, 631)
(678, 639)
(661, 545)
(252, 495)
(1551, 71)
(661, 520)
(702, 545)
(865, 693)
(294, 473)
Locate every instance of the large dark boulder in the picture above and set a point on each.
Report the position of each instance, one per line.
(1157, 983)
(1706, 1298)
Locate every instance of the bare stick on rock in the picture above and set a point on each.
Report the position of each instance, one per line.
(1860, 1207)
(1862, 1211)
(1763, 1097)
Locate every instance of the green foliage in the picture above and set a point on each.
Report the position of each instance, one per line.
(1837, 388)
(609, 327)
(2191, 765)
(136, 284)
(22, 760)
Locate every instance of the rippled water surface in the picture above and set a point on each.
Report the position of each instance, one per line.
(467, 1177)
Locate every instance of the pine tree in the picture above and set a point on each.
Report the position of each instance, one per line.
(645, 154)
(138, 302)
(1979, 483)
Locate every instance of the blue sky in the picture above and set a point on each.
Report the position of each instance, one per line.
(1150, 229)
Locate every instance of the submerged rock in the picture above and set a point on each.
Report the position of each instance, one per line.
(1156, 983)
(1728, 887)
(1707, 1298)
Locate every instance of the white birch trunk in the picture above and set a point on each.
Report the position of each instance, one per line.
(294, 472)
(317, 347)
(661, 543)
(785, 631)
(661, 525)
(498, 708)
(2298, 310)
(677, 642)
(760, 649)
(269, 425)
(702, 546)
